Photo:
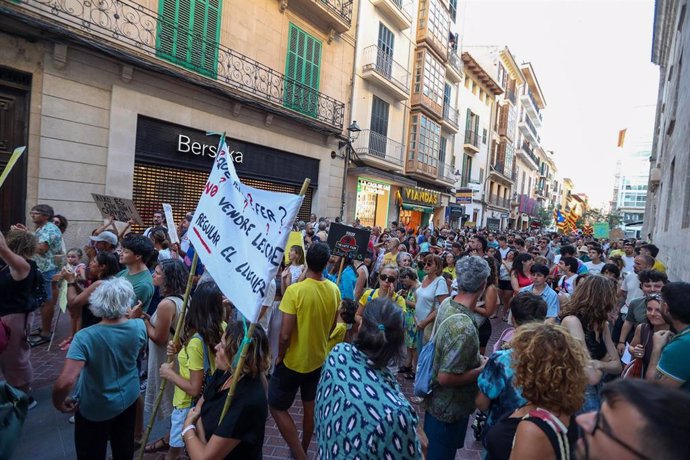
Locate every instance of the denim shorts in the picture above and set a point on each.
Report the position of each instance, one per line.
(48, 281)
(177, 425)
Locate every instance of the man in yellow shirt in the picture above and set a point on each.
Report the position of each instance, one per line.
(309, 310)
(653, 250)
(391, 257)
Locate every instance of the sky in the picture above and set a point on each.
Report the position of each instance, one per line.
(593, 62)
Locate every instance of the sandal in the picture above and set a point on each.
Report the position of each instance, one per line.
(39, 340)
(157, 446)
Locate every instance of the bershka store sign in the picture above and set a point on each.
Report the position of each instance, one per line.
(185, 144)
(421, 196)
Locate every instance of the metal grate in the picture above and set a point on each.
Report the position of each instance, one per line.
(181, 188)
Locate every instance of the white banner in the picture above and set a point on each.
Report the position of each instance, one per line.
(172, 230)
(240, 234)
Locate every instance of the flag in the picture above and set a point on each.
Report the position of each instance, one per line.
(621, 137)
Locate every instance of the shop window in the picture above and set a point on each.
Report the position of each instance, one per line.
(372, 203)
(302, 70)
(188, 34)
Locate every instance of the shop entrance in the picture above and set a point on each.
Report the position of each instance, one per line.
(372, 203)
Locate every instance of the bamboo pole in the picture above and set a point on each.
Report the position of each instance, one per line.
(237, 372)
(176, 339)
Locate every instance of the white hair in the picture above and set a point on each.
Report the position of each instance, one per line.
(471, 272)
(112, 299)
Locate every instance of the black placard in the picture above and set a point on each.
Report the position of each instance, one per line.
(348, 241)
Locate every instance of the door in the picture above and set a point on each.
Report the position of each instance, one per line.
(302, 69)
(378, 135)
(446, 100)
(13, 133)
(384, 56)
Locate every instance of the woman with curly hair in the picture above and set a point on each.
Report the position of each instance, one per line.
(549, 366)
(585, 316)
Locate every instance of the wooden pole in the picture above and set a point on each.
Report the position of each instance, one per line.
(340, 270)
(176, 339)
(237, 372)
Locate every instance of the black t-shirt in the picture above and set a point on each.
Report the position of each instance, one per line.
(499, 439)
(245, 420)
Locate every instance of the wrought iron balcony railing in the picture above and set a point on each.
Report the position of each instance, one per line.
(445, 172)
(499, 201)
(372, 143)
(450, 114)
(342, 8)
(472, 138)
(383, 63)
(455, 61)
(128, 27)
(530, 153)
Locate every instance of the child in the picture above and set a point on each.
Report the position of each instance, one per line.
(75, 264)
(343, 328)
(408, 276)
(293, 271)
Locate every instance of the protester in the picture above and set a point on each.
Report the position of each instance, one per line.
(74, 264)
(202, 331)
(309, 315)
(636, 420)
(18, 276)
(539, 273)
(585, 316)
(456, 364)
(520, 276)
(100, 380)
(568, 267)
(549, 367)
(292, 272)
(505, 287)
(373, 411)
(432, 291)
(240, 433)
(137, 250)
(387, 281)
(651, 282)
(157, 220)
(410, 284)
(486, 305)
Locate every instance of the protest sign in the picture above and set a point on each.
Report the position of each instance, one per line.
(121, 209)
(172, 230)
(344, 240)
(240, 233)
(294, 239)
(601, 230)
(16, 154)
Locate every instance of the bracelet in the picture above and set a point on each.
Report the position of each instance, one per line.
(188, 428)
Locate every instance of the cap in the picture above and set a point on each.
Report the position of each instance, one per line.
(108, 237)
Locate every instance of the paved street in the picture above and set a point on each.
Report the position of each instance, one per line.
(47, 434)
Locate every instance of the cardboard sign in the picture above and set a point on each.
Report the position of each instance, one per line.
(348, 241)
(16, 154)
(122, 209)
(294, 239)
(172, 230)
(240, 233)
(601, 230)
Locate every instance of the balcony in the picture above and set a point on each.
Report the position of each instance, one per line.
(399, 15)
(525, 151)
(454, 67)
(130, 30)
(540, 193)
(327, 14)
(446, 175)
(529, 130)
(437, 41)
(422, 166)
(379, 150)
(450, 119)
(499, 168)
(471, 141)
(510, 95)
(380, 69)
(499, 201)
(531, 107)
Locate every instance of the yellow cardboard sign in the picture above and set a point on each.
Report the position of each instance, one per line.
(16, 154)
(294, 239)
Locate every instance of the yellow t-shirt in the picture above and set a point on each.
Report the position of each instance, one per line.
(191, 358)
(375, 295)
(450, 271)
(390, 259)
(315, 303)
(659, 266)
(337, 336)
(617, 252)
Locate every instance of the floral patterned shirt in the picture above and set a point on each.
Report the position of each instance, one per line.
(361, 412)
(50, 235)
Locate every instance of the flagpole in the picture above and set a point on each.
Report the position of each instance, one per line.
(237, 372)
(175, 340)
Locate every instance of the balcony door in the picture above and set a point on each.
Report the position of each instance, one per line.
(302, 69)
(384, 56)
(446, 100)
(378, 134)
(442, 168)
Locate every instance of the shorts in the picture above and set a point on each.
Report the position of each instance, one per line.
(177, 425)
(505, 285)
(284, 383)
(47, 282)
(484, 332)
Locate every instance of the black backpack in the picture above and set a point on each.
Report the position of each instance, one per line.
(37, 293)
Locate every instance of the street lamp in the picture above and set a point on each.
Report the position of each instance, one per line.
(353, 131)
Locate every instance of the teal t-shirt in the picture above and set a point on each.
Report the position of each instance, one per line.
(109, 382)
(142, 283)
(674, 359)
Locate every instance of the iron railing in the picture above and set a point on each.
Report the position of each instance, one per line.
(403, 9)
(534, 102)
(342, 8)
(500, 168)
(499, 200)
(472, 138)
(372, 143)
(455, 61)
(528, 150)
(450, 115)
(445, 172)
(384, 64)
(531, 126)
(125, 24)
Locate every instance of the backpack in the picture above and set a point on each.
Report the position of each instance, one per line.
(425, 364)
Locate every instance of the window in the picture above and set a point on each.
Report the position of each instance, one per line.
(378, 137)
(454, 10)
(302, 71)
(435, 18)
(484, 136)
(188, 34)
(384, 56)
(434, 79)
(425, 140)
(481, 175)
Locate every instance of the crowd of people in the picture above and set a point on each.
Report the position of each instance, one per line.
(591, 361)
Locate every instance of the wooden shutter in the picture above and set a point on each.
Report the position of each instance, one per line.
(302, 69)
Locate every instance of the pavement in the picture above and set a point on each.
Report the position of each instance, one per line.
(47, 434)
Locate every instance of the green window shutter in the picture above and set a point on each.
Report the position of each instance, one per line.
(189, 33)
(302, 71)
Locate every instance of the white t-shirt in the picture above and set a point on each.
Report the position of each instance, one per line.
(504, 251)
(629, 263)
(567, 285)
(426, 295)
(594, 269)
(631, 286)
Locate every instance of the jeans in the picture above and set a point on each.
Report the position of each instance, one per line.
(91, 438)
(444, 438)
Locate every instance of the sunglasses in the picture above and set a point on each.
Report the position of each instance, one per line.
(429, 264)
(390, 279)
(600, 424)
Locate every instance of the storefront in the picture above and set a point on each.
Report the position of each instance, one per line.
(455, 215)
(417, 206)
(372, 201)
(493, 224)
(172, 162)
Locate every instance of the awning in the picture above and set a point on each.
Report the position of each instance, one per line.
(417, 207)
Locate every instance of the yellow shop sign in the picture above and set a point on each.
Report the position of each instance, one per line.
(421, 196)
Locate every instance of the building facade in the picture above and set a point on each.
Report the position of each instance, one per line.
(117, 99)
(667, 208)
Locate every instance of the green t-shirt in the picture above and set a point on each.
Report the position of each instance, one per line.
(637, 311)
(674, 359)
(109, 382)
(142, 283)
